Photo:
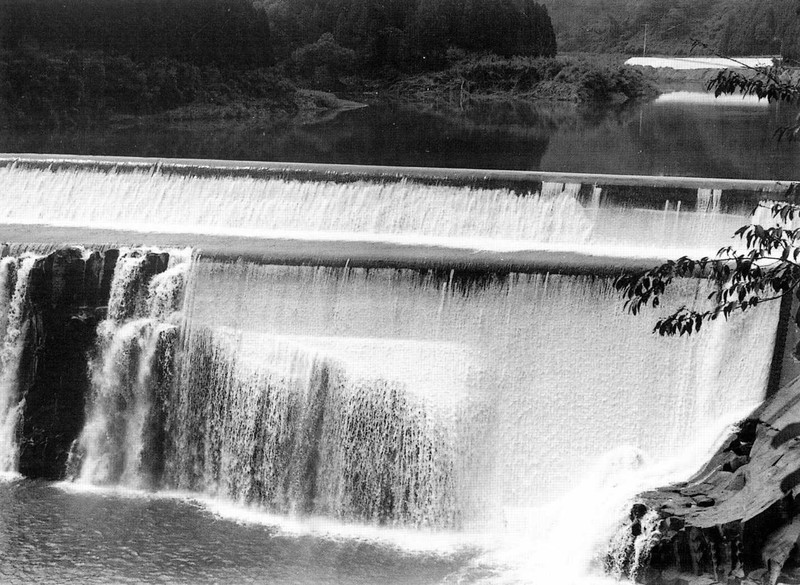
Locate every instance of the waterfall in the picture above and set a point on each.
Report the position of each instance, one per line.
(553, 216)
(14, 279)
(397, 397)
(130, 373)
(298, 433)
(503, 359)
(252, 207)
(520, 409)
(708, 200)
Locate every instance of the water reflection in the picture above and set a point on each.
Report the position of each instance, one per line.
(707, 98)
(678, 134)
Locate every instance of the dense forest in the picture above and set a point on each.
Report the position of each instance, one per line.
(230, 33)
(77, 58)
(735, 27)
(409, 35)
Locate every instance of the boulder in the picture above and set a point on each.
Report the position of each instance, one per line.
(740, 514)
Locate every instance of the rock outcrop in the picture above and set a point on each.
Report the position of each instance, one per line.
(738, 519)
(68, 296)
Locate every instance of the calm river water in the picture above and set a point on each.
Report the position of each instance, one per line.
(682, 133)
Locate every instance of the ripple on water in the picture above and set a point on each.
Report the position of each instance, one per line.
(53, 535)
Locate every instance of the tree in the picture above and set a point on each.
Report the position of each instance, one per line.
(766, 269)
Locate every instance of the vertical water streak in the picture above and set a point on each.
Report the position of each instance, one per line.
(122, 441)
(630, 549)
(252, 207)
(709, 200)
(14, 281)
(296, 430)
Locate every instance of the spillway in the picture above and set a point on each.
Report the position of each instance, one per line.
(465, 388)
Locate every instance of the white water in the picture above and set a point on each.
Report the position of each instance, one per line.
(516, 413)
(529, 350)
(140, 328)
(14, 275)
(257, 207)
(403, 213)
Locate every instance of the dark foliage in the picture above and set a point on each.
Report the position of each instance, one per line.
(767, 270)
(78, 60)
(733, 27)
(757, 28)
(228, 33)
(409, 35)
(593, 82)
(76, 86)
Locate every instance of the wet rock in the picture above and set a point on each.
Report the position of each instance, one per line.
(68, 294)
(704, 501)
(738, 520)
(109, 263)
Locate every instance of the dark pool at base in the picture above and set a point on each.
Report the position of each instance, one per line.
(52, 535)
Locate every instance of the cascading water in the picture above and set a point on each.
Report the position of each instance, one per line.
(518, 412)
(404, 212)
(255, 207)
(130, 373)
(14, 278)
(408, 399)
(516, 352)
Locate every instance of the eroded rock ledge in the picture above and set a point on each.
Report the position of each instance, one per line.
(738, 519)
(67, 297)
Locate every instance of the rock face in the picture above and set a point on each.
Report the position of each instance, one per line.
(68, 295)
(738, 519)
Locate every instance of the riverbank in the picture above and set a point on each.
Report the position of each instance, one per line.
(308, 106)
(479, 81)
(84, 89)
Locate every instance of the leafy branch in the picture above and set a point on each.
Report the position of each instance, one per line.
(769, 267)
(767, 270)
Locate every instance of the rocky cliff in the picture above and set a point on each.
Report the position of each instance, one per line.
(738, 519)
(67, 298)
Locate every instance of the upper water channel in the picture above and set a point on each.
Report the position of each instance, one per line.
(682, 133)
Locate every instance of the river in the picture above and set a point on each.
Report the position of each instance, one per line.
(682, 133)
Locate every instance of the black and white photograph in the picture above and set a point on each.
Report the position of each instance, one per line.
(400, 292)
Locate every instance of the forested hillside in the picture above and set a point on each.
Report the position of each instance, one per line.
(406, 35)
(78, 59)
(230, 33)
(735, 27)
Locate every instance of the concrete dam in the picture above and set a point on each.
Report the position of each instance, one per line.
(397, 353)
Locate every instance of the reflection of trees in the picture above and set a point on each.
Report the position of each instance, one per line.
(672, 139)
(375, 135)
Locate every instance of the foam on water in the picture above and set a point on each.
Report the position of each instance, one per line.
(140, 329)
(403, 213)
(14, 278)
(430, 410)
(583, 538)
(256, 207)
